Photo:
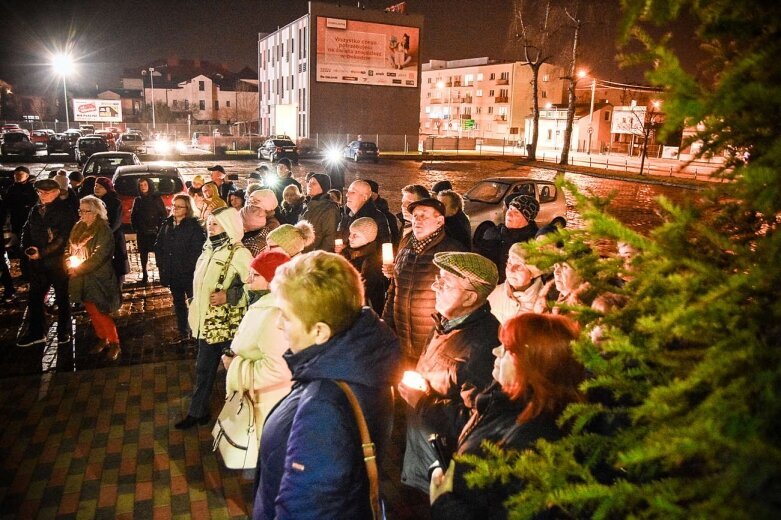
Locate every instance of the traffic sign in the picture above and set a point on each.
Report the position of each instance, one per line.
(468, 124)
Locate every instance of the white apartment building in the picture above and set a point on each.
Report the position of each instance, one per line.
(207, 99)
(482, 98)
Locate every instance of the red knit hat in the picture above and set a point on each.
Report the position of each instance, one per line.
(266, 263)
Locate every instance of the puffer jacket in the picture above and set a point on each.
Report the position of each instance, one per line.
(94, 280)
(311, 462)
(177, 249)
(410, 301)
(258, 365)
(494, 419)
(457, 365)
(324, 215)
(209, 267)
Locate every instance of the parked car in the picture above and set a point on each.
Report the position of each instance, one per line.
(109, 137)
(10, 127)
(105, 164)
(62, 143)
(361, 150)
(87, 129)
(278, 147)
(88, 145)
(16, 143)
(40, 138)
(131, 142)
(167, 181)
(488, 199)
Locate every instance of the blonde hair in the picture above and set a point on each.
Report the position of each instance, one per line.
(97, 206)
(321, 287)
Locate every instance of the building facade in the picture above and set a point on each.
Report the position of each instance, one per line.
(483, 98)
(341, 71)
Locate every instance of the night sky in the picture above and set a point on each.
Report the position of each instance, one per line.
(112, 35)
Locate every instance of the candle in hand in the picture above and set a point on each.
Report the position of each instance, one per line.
(387, 253)
(74, 261)
(338, 242)
(414, 380)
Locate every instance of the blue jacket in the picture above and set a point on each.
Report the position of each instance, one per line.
(311, 463)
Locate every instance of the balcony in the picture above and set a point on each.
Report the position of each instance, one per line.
(500, 118)
(466, 116)
(501, 81)
(466, 99)
(435, 101)
(501, 99)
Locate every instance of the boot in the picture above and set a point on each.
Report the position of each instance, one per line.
(100, 346)
(112, 351)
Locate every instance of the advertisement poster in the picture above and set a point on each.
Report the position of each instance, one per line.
(365, 53)
(628, 120)
(102, 110)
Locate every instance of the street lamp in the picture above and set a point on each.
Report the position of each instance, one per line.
(152, 83)
(582, 74)
(648, 125)
(440, 87)
(63, 65)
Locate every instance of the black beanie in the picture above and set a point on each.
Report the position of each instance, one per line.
(323, 180)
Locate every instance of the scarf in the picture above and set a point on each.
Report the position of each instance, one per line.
(419, 245)
(219, 240)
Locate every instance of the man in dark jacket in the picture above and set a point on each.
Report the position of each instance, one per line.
(382, 205)
(311, 463)
(283, 179)
(457, 362)
(44, 238)
(21, 197)
(360, 204)
(457, 223)
(224, 187)
(410, 302)
(323, 213)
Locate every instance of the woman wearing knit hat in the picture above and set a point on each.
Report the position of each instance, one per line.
(365, 255)
(260, 218)
(146, 216)
(291, 239)
(223, 260)
(104, 190)
(255, 361)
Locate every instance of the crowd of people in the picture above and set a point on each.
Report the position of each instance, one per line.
(297, 294)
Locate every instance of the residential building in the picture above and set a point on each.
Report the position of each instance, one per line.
(341, 71)
(590, 129)
(483, 98)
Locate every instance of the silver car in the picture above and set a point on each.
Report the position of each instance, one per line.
(487, 200)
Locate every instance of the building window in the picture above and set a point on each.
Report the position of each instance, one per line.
(479, 76)
(427, 110)
(544, 93)
(478, 110)
(490, 110)
(216, 105)
(503, 92)
(227, 104)
(545, 78)
(550, 134)
(468, 79)
(492, 76)
(202, 104)
(479, 92)
(607, 115)
(490, 93)
(505, 75)
(201, 86)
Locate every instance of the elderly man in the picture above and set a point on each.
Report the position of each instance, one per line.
(457, 362)
(323, 213)
(410, 302)
(224, 188)
(360, 204)
(44, 238)
(525, 288)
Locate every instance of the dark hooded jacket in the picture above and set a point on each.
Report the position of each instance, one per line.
(177, 250)
(311, 462)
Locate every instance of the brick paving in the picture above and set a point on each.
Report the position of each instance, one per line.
(83, 437)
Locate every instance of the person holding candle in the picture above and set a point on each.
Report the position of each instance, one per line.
(456, 363)
(92, 278)
(364, 255)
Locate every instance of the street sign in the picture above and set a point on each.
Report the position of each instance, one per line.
(468, 124)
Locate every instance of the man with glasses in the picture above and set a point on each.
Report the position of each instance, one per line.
(457, 362)
(410, 301)
(44, 238)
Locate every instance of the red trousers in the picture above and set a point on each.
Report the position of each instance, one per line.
(102, 323)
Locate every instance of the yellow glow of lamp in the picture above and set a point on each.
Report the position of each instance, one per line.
(74, 261)
(414, 380)
(387, 253)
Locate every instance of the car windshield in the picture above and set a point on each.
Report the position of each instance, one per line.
(131, 137)
(106, 166)
(283, 142)
(128, 184)
(489, 192)
(14, 137)
(367, 146)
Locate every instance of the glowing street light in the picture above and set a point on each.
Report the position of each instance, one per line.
(152, 83)
(63, 65)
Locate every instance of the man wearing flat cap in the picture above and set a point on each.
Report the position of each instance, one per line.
(44, 238)
(410, 301)
(457, 362)
(224, 188)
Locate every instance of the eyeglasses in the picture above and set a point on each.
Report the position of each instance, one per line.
(85, 211)
(176, 206)
(440, 283)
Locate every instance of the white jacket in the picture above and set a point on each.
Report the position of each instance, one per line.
(506, 303)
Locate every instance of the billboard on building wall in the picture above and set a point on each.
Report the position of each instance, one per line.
(365, 53)
(628, 120)
(101, 110)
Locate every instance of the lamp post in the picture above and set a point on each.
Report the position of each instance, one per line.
(63, 65)
(649, 123)
(582, 74)
(152, 83)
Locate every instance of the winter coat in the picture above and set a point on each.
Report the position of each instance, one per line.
(496, 242)
(367, 260)
(94, 280)
(459, 228)
(289, 213)
(147, 214)
(20, 198)
(279, 187)
(177, 250)
(48, 228)
(114, 210)
(393, 222)
(207, 273)
(225, 189)
(506, 303)
(311, 462)
(258, 365)
(494, 419)
(410, 301)
(367, 210)
(324, 215)
(457, 365)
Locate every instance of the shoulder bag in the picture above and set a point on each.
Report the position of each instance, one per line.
(222, 321)
(235, 434)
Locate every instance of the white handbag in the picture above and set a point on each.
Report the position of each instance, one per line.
(235, 432)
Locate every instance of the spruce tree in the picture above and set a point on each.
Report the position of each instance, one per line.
(683, 418)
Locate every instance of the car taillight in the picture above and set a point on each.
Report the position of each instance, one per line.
(279, 149)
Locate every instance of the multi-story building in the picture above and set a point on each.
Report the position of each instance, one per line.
(482, 98)
(341, 71)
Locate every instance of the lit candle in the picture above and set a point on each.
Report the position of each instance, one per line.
(414, 380)
(387, 253)
(74, 261)
(338, 242)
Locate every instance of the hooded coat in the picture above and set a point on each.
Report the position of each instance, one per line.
(210, 265)
(311, 462)
(324, 215)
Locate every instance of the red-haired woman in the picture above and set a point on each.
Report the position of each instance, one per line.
(536, 377)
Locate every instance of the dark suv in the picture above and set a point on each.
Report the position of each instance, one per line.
(86, 146)
(279, 147)
(359, 150)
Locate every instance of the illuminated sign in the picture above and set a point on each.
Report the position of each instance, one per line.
(102, 110)
(349, 51)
